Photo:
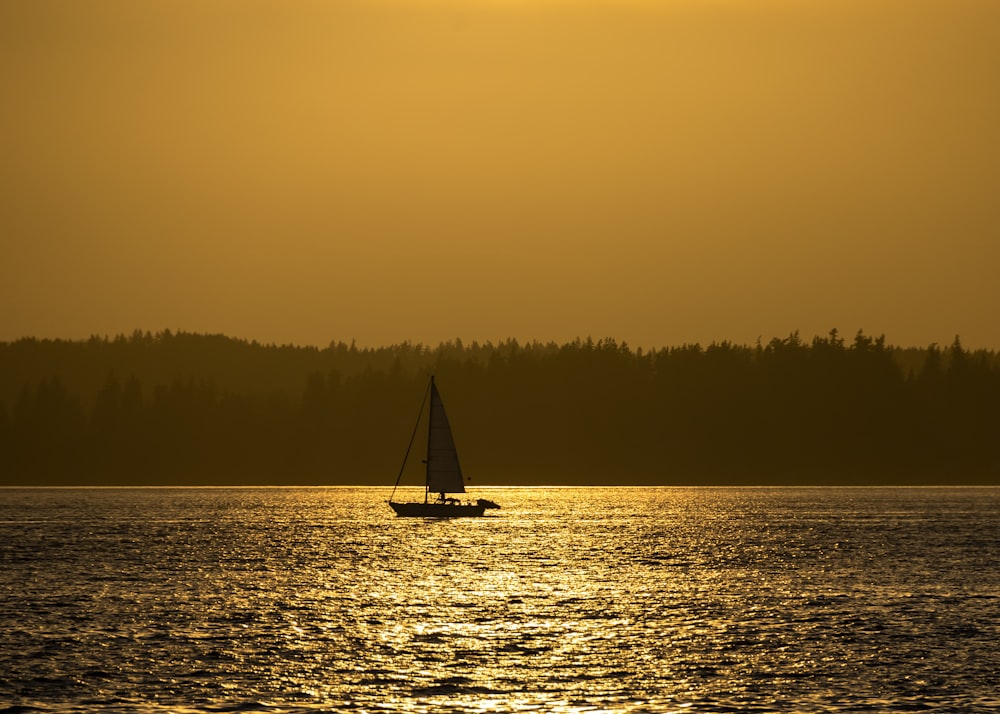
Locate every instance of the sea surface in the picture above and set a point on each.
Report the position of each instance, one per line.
(567, 599)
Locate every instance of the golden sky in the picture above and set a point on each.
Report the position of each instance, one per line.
(658, 171)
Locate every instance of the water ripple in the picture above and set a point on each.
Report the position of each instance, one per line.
(669, 600)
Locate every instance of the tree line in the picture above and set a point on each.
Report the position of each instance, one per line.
(179, 408)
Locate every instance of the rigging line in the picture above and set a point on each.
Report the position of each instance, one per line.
(410, 445)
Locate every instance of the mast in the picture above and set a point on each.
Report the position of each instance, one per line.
(430, 430)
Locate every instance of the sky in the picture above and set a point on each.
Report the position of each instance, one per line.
(656, 171)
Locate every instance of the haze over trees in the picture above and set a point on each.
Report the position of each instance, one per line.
(176, 408)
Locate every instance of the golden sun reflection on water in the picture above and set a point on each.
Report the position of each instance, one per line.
(482, 610)
(300, 600)
(615, 598)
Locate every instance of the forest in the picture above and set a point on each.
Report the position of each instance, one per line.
(189, 409)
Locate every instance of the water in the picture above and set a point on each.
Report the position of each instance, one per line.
(301, 600)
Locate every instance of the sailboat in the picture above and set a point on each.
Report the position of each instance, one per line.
(443, 475)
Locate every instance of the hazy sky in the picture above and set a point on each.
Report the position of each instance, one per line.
(655, 171)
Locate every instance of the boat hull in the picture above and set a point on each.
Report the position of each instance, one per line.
(438, 510)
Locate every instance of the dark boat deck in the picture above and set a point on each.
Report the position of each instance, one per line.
(439, 510)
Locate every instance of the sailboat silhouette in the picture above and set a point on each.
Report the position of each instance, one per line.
(443, 473)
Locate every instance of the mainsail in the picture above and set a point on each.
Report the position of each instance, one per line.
(444, 475)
